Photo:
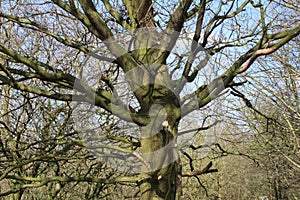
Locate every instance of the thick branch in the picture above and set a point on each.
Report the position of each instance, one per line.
(179, 16)
(285, 36)
(118, 17)
(95, 19)
(143, 12)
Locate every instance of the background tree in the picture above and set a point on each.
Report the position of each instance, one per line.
(260, 147)
(276, 129)
(43, 48)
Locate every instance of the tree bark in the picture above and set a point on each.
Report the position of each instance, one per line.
(162, 186)
(162, 180)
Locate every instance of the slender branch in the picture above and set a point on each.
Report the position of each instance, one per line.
(205, 170)
(45, 180)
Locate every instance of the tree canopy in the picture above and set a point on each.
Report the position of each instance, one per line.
(88, 82)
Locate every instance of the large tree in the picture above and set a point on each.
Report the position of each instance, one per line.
(156, 63)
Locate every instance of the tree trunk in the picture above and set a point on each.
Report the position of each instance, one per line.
(163, 186)
(161, 178)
